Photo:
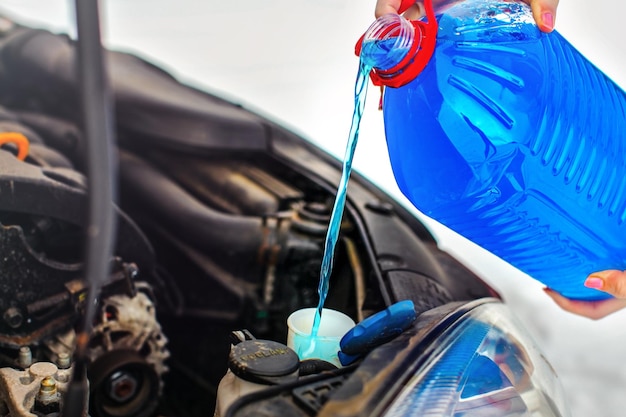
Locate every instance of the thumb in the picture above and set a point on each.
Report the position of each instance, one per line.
(412, 10)
(544, 12)
(610, 281)
(386, 6)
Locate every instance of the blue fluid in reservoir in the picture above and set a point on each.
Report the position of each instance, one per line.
(513, 139)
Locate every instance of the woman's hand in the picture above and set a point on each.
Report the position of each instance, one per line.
(612, 282)
(544, 11)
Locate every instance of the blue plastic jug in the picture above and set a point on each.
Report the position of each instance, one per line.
(510, 137)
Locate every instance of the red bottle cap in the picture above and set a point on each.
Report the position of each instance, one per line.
(418, 55)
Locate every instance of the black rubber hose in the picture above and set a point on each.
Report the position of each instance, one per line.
(165, 202)
(98, 126)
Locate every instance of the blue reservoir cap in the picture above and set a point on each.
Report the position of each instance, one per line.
(378, 329)
(346, 360)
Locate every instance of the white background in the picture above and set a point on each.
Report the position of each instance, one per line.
(293, 61)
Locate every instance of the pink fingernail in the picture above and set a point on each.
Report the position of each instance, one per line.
(548, 20)
(596, 283)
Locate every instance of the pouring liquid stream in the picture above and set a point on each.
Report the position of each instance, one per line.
(379, 53)
(332, 234)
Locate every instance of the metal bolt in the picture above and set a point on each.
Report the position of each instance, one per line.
(24, 357)
(63, 360)
(13, 317)
(47, 400)
(48, 386)
(122, 386)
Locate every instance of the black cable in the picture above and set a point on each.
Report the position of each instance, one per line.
(100, 231)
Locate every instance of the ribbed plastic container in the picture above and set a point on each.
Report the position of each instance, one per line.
(510, 137)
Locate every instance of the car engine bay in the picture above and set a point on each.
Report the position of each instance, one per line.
(221, 221)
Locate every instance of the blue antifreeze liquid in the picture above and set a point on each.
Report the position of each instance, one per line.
(382, 54)
(332, 234)
(513, 139)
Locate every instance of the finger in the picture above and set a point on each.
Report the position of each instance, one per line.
(594, 310)
(610, 281)
(384, 7)
(544, 12)
(415, 12)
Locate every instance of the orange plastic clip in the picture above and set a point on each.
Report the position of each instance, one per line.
(19, 140)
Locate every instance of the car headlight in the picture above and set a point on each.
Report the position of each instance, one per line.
(483, 364)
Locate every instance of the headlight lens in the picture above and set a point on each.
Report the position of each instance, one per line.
(483, 365)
